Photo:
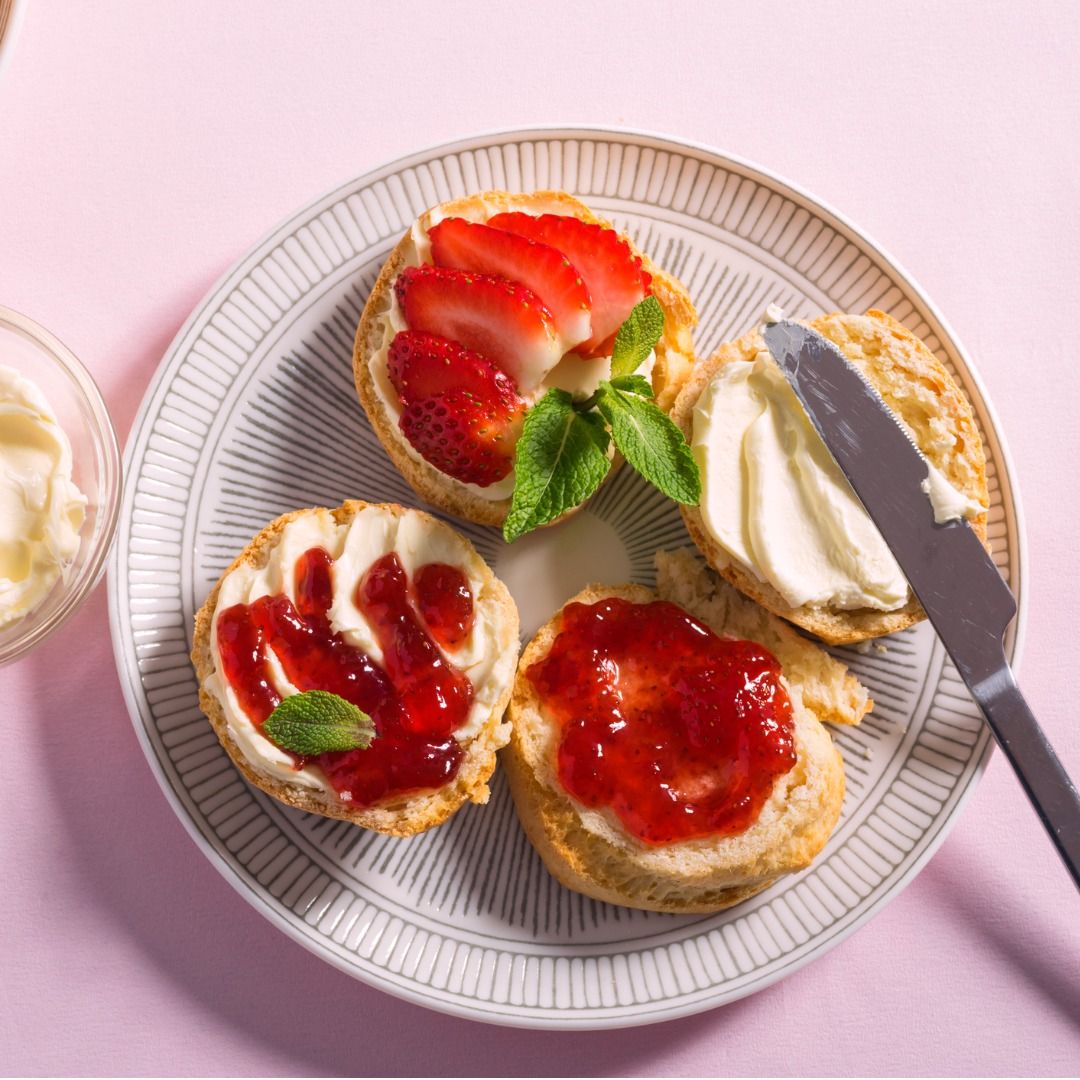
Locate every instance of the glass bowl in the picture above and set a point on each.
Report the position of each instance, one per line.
(34, 352)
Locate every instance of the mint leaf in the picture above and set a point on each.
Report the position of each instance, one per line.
(651, 442)
(637, 336)
(316, 722)
(633, 384)
(561, 460)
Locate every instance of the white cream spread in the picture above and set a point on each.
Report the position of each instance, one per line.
(488, 656)
(577, 375)
(777, 503)
(41, 509)
(948, 503)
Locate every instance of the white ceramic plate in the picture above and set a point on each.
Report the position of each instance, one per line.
(252, 413)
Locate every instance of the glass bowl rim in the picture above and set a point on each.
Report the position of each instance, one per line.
(111, 482)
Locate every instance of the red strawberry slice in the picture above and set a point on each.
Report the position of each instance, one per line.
(423, 366)
(468, 439)
(464, 245)
(497, 318)
(611, 271)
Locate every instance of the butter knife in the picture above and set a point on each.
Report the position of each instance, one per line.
(955, 580)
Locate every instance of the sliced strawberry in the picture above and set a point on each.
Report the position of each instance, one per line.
(463, 245)
(497, 318)
(423, 365)
(611, 271)
(466, 438)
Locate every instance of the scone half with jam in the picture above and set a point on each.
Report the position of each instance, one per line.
(394, 614)
(668, 750)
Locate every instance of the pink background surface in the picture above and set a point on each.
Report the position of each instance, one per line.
(144, 147)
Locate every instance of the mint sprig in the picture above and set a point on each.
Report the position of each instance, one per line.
(649, 439)
(561, 460)
(637, 337)
(562, 455)
(317, 722)
(633, 384)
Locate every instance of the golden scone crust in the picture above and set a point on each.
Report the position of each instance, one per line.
(919, 390)
(592, 854)
(402, 816)
(674, 353)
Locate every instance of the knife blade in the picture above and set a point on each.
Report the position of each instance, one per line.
(948, 569)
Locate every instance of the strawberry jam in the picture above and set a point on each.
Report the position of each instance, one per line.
(445, 602)
(680, 732)
(416, 698)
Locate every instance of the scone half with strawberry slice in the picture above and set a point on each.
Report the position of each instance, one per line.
(512, 345)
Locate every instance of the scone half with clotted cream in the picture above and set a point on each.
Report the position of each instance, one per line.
(778, 519)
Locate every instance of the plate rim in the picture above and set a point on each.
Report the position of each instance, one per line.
(532, 1018)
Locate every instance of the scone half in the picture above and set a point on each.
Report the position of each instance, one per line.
(354, 536)
(591, 852)
(926, 399)
(383, 318)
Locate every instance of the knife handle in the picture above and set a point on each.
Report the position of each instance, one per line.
(1043, 776)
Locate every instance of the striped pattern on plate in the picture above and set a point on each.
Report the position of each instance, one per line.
(253, 413)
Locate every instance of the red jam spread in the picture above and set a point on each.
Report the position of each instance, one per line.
(416, 698)
(445, 603)
(678, 731)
